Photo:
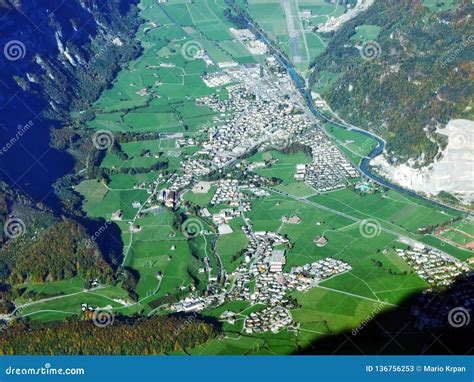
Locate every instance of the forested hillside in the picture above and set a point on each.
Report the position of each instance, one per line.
(64, 57)
(141, 336)
(56, 58)
(414, 76)
(59, 252)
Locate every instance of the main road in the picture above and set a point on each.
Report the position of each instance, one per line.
(379, 227)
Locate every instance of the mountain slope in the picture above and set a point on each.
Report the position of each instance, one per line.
(418, 75)
(56, 57)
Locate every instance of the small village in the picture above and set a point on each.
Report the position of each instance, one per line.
(432, 266)
(257, 115)
(262, 280)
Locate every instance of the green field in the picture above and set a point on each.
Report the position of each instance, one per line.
(439, 6)
(280, 165)
(200, 199)
(366, 33)
(456, 237)
(355, 146)
(325, 81)
(156, 93)
(389, 208)
(272, 18)
(70, 304)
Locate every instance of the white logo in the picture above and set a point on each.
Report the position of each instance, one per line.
(369, 228)
(458, 317)
(458, 141)
(103, 139)
(103, 318)
(191, 49)
(14, 228)
(192, 227)
(370, 50)
(14, 50)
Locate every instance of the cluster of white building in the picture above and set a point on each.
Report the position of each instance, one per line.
(262, 279)
(322, 269)
(330, 169)
(434, 267)
(227, 192)
(256, 47)
(185, 142)
(269, 319)
(256, 114)
(192, 169)
(213, 80)
(260, 114)
(196, 303)
(272, 286)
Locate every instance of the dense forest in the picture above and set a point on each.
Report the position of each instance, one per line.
(419, 79)
(137, 336)
(60, 252)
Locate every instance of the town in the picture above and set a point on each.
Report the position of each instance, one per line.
(263, 111)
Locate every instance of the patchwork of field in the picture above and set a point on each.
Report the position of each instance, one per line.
(156, 93)
(345, 242)
(291, 24)
(390, 208)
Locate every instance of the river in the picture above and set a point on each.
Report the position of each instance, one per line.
(364, 165)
